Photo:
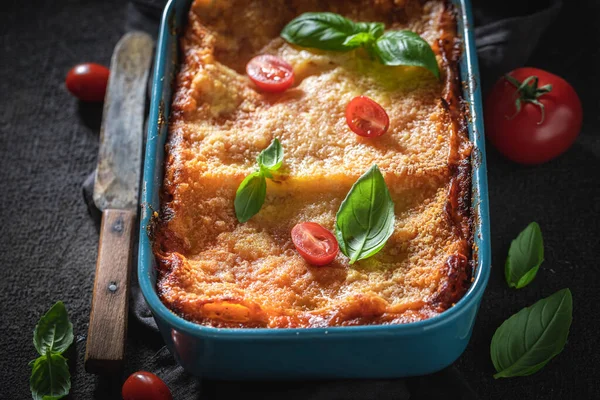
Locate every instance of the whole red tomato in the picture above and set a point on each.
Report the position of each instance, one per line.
(88, 81)
(532, 116)
(143, 385)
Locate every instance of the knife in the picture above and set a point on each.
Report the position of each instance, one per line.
(116, 188)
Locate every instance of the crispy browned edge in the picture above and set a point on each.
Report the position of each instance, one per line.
(459, 267)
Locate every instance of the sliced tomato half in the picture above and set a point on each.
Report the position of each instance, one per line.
(270, 73)
(315, 244)
(367, 118)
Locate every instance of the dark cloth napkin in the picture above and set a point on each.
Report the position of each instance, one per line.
(504, 41)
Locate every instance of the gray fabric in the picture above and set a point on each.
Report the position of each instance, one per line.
(502, 45)
(506, 44)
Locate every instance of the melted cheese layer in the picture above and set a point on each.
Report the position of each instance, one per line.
(216, 271)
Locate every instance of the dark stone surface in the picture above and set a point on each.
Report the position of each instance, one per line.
(48, 243)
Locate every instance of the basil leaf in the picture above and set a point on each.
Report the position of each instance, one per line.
(406, 48)
(271, 158)
(330, 31)
(359, 39)
(251, 193)
(375, 29)
(54, 332)
(525, 342)
(50, 378)
(525, 256)
(321, 30)
(250, 196)
(365, 220)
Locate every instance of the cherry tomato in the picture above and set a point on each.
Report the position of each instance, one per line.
(88, 81)
(315, 244)
(532, 116)
(366, 118)
(142, 385)
(270, 73)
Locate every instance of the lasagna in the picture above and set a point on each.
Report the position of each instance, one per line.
(214, 270)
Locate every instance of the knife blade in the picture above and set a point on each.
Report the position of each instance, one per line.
(116, 188)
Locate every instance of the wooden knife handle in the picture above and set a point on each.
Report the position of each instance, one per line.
(107, 331)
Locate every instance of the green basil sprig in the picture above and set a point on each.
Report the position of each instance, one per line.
(251, 193)
(525, 256)
(322, 30)
(406, 48)
(528, 340)
(365, 220)
(270, 159)
(250, 196)
(333, 32)
(50, 378)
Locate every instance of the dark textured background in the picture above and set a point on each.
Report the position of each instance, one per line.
(48, 243)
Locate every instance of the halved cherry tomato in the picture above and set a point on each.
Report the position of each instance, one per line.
(315, 244)
(366, 118)
(532, 116)
(88, 81)
(270, 73)
(143, 385)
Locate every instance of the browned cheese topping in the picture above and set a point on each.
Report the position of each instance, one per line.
(216, 271)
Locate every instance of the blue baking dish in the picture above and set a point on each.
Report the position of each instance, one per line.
(383, 351)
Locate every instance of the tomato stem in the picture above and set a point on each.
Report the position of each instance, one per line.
(528, 92)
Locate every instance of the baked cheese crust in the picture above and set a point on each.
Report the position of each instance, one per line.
(216, 271)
